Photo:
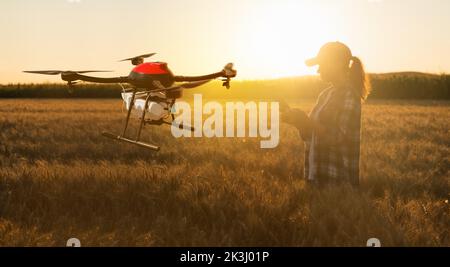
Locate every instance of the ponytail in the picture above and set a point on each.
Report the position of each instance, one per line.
(359, 78)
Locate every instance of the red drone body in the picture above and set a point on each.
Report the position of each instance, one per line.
(152, 68)
(144, 75)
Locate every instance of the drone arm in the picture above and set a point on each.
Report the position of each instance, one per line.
(199, 78)
(76, 76)
(228, 72)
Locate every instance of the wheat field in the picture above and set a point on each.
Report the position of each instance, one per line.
(59, 178)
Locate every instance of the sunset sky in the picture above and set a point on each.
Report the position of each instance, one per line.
(264, 38)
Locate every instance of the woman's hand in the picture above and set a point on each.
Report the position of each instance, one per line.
(294, 116)
(298, 118)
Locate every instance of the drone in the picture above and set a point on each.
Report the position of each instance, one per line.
(152, 93)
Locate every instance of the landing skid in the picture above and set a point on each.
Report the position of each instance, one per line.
(143, 144)
(138, 143)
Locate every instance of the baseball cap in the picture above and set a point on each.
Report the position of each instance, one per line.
(331, 52)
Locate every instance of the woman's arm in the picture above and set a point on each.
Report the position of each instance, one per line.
(333, 131)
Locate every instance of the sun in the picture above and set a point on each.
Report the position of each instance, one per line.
(278, 36)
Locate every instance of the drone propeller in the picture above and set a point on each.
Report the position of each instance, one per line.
(137, 57)
(56, 72)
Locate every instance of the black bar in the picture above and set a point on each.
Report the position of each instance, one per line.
(365, 256)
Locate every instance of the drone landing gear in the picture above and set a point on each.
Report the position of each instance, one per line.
(143, 144)
(143, 121)
(139, 143)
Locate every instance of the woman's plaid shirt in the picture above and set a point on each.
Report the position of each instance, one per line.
(335, 154)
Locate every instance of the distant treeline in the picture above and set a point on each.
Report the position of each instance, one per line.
(385, 86)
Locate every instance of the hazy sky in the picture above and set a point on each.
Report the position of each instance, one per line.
(264, 38)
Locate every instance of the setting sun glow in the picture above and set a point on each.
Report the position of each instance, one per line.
(277, 36)
(264, 38)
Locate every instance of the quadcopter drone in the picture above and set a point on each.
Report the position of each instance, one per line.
(152, 93)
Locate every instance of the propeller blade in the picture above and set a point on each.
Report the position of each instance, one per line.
(46, 72)
(88, 71)
(141, 56)
(56, 72)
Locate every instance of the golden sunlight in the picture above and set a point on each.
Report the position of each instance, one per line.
(278, 37)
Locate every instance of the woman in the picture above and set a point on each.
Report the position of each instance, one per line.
(332, 130)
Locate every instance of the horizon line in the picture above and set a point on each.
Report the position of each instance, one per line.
(276, 78)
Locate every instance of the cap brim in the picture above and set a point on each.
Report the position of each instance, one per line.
(312, 62)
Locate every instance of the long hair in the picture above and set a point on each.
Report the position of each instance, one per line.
(359, 78)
